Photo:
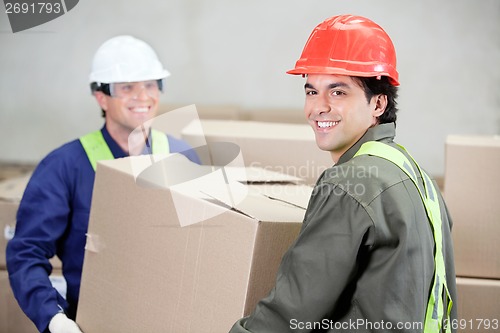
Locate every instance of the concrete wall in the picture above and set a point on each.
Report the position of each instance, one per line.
(236, 52)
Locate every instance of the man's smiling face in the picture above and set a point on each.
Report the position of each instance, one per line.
(337, 109)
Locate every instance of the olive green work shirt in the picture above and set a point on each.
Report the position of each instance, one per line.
(364, 258)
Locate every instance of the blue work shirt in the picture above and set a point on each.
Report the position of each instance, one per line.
(52, 219)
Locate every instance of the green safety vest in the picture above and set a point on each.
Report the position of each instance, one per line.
(97, 149)
(434, 313)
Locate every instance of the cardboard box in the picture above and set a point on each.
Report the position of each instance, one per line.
(12, 169)
(284, 148)
(275, 115)
(478, 305)
(12, 189)
(12, 318)
(472, 193)
(232, 112)
(144, 272)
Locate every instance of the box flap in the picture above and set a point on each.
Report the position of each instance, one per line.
(223, 184)
(258, 175)
(258, 206)
(219, 185)
(297, 195)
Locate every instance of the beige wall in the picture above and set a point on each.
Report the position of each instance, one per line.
(227, 52)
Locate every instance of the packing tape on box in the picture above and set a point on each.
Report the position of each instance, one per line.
(93, 243)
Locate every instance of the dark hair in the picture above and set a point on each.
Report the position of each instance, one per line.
(374, 86)
(103, 87)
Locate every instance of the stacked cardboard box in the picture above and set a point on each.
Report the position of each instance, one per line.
(232, 112)
(13, 170)
(148, 270)
(472, 192)
(285, 148)
(12, 318)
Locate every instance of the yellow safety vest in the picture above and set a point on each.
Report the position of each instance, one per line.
(434, 313)
(97, 149)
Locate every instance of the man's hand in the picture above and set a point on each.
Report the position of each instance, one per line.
(62, 324)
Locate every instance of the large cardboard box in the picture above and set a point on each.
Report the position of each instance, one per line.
(284, 148)
(478, 305)
(472, 193)
(147, 271)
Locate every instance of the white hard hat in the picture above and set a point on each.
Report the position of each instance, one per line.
(126, 59)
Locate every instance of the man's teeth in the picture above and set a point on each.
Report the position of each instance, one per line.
(325, 124)
(142, 110)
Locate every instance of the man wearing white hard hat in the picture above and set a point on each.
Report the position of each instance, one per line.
(126, 79)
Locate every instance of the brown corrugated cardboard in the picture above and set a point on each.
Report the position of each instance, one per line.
(478, 305)
(143, 272)
(12, 318)
(284, 148)
(472, 192)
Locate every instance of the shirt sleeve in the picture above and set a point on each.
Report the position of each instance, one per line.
(41, 220)
(319, 269)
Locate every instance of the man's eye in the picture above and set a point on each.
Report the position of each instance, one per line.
(310, 92)
(337, 93)
(127, 87)
(151, 85)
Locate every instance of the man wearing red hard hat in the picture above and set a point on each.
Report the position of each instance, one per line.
(375, 249)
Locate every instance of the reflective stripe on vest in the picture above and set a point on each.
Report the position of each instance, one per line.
(434, 313)
(97, 149)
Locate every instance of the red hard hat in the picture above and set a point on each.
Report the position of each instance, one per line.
(348, 45)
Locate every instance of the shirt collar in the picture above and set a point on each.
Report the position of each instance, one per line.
(112, 144)
(381, 132)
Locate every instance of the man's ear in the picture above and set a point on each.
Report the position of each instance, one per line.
(102, 99)
(380, 105)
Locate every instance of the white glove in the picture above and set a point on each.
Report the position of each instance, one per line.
(62, 324)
